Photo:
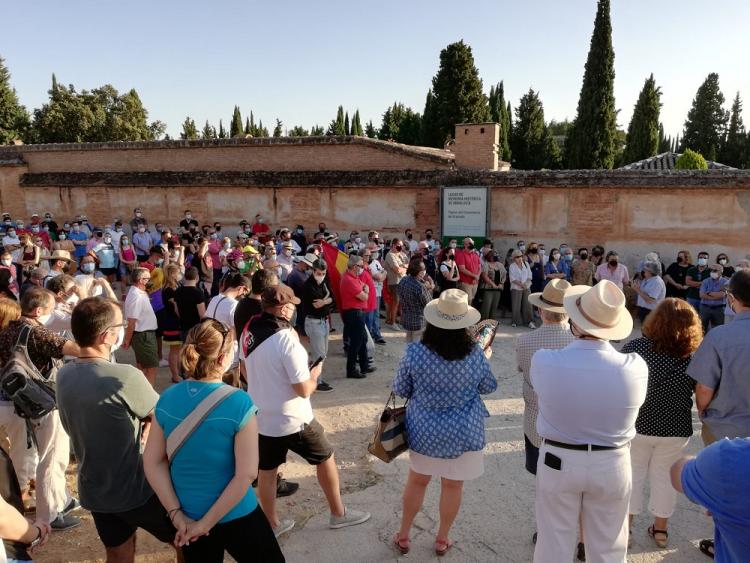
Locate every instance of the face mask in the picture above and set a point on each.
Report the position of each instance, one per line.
(613, 262)
(260, 221)
(299, 231)
(469, 247)
(541, 251)
(375, 255)
(240, 264)
(34, 229)
(715, 275)
(534, 251)
(11, 234)
(72, 299)
(428, 236)
(227, 245)
(569, 257)
(118, 343)
(107, 239)
(357, 240)
(555, 256)
(399, 248)
(214, 236)
(359, 271)
(188, 216)
(8, 222)
(584, 255)
(522, 248)
(124, 242)
(159, 262)
(723, 261)
(141, 229)
(44, 319)
(63, 236)
(409, 236)
(7, 262)
(118, 229)
(46, 228)
(19, 225)
(452, 245)
(139, 214)
(87, 268)
(319, 278)
(702, 261)
(247, 230)
(76, 228)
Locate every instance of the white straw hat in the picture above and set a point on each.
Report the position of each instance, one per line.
(599, 311)
(451, 310)
(551, 299)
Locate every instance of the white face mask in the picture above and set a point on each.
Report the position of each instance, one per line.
(7, 262)
(375, 255)
(723, 261)
(118, 343)
(702, 261)
(227, 245)
(72, 300)
(44, 319)
(452, 245)
(287, 253)
(240, 264)
(318, 278)
(87, 268)
(715, 275)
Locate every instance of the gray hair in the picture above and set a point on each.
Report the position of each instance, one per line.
(653, 267)
(137, 274)
(354, 260)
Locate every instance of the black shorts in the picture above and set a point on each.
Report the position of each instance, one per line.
(116, 527)
(108, 271)
(532, 455)
(309, 443)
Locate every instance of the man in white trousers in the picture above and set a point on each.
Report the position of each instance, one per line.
(589, 396)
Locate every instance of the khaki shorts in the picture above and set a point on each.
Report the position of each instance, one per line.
(144, 346)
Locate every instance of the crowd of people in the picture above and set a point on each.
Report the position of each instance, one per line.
(250, 309)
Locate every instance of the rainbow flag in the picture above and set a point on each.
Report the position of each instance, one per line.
(336, 260)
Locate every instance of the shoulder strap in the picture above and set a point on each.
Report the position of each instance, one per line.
(191, 422)
(216, 307)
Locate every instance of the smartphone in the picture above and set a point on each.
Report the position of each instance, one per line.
(492, 336)
(317, 362)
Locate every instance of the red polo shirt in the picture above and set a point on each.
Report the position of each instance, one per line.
(351, 285)
(469, 260)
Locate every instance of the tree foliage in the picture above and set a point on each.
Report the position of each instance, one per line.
(532, 144)
(235, 126)
(278, 131)
(357, 125)
(298, 131)
(690, 160)
(208, 131)
(189, 130)
(401, 124)
(706, 120)
(733, 150)
(317, 131)
(337, 126)
(14, 119)
(458, 95)
(499, 113)
(591, 142)
(370, 130)
(643, 137)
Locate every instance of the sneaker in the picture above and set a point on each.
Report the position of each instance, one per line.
(514, 325)
(370, 369)
(64, 523)
(284, 526)
(163, 364)
(380, 341)
(532, 325)
(286, 488)
(350, 518)
(323, 387)
(355, 375)
(71, 506)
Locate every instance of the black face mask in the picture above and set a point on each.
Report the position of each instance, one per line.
(428, 236)
(469, 247)
(534, 251)
(409, 236)
(613, 262)
(584, 255)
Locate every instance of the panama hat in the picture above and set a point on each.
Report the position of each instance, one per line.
(58, 255)
(599, 311)
(551, 299)
(308, 259)
(451, 310)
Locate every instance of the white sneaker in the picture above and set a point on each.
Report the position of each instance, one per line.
(163, 363)
(350, 518)
(532, 325)
(284, 526)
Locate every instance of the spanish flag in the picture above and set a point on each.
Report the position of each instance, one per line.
(336, 261)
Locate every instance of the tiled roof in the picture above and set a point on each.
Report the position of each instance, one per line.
(665, 161)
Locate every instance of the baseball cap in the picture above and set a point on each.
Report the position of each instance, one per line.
(278, 295)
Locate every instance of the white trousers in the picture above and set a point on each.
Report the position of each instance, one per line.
(594, 484)
(54, 455)
(654, 456)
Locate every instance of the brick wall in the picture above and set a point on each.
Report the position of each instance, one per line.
(475, 145)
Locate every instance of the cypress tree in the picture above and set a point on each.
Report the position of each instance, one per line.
(337, 126)
(665, 143)
(733, 150)
(510, 122)
(706, 120)
(533, 145)
(248, 130)
(235, 128)
(370, 130)
(591, 142)
(222, 132)
(347, 129)
(492, 101)
(644, 131)
(317, 131)
(189, 130)
(457, 90)
(505, 153)
(430, 135)
(356, 125)
(676, 147)
(14, 120)
(208, 131)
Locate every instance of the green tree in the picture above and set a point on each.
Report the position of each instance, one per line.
(430, 134)
(357, 125)
(235, 127)
(14, 119)
(208, 132)
(248, 129)
(532, 144)
(65, 118)
(591, 142)
(347, 129)
(401, 124)
(643, 138)
(222, 132)
(706, 120)
(458, 93)
(317, 131)
(370, 130)
(691, 160)
(298, 131)
(504, 115)
(278, 131)
(734, 146)
(189, 130)
(665, 143)
(337, 126)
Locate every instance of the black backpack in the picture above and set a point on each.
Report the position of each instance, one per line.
(32, 393)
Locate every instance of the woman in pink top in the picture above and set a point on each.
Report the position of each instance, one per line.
(613, 271)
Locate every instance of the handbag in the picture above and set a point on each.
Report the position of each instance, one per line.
(389, 439)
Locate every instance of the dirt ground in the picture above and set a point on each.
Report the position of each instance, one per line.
(497, 516)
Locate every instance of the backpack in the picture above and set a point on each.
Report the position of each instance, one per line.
(32, 393)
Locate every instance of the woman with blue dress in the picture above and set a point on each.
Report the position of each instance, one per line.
(443, 377)
(554, 268)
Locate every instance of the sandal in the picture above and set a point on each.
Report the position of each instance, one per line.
(442, 547)
(402, 544)
(581, 552)
(659, 542)
(706, 547)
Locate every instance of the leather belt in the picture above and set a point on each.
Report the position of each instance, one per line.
(580, 447)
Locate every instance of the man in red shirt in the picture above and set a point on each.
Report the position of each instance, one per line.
(355, 294)
(469, 268)
(260, 227)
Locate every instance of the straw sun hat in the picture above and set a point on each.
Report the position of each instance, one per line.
(551, 299)
(451, 311)
(599, 311)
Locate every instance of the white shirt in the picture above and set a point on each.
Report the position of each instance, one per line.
(413, 245)
(116, 236)
(86, 283)
(520, 274)
(272, 368)
(138, 307)
(653, 287)
(286, 263)
(589, 393)
(221, 308)
(377, 268)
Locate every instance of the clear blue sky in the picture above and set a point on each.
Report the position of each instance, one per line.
(298, 60)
